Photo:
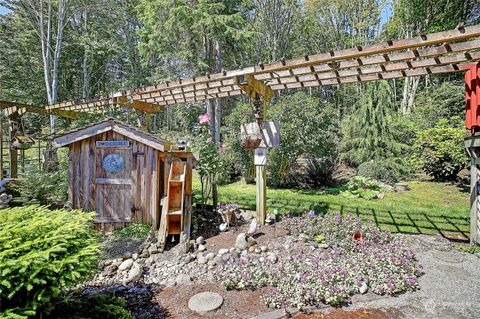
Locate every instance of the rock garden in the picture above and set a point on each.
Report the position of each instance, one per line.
(300, 264)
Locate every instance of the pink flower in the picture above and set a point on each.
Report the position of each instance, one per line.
(203, 118)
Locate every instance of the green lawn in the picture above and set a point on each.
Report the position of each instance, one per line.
(427, 208)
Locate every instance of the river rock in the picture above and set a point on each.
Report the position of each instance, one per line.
(272, 257)
(133, 275)
(251, 241)
(200, 240)
(210, 256)
(202, 260)
(202, 247)
(125, 265)
(241, 242)
(223, 251)
(223, 227)
(183, 279)
(253, 227)
(363, 288)
(264, 249)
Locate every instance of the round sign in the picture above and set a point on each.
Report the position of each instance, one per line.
(113, 163)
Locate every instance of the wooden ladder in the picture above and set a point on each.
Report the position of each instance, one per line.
(172, 219)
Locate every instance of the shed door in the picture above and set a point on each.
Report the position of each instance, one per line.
(113, 182)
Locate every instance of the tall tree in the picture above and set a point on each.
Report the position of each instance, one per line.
(367, 130)
(190, 38)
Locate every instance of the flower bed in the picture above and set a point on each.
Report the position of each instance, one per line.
(377, 261)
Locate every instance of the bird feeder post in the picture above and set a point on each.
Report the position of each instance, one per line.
(261, 95)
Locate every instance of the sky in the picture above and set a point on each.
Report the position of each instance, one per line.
(3, 10)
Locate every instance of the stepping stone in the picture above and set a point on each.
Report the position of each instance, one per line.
(205, 302)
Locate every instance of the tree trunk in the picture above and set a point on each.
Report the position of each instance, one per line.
(86, 75)
(218, 106)
(409, 91)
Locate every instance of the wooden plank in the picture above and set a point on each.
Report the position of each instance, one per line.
(71, 175)
(114, 181)
(141, 137)
(20, 108)
(86, 174)
(81, 134)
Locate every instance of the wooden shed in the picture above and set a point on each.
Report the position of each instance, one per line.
(125, 174)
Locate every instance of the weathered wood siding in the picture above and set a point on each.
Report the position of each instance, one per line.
(122, 200)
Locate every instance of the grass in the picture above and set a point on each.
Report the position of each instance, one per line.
(427, 208)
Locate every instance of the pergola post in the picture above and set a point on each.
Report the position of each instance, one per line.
(472, 146)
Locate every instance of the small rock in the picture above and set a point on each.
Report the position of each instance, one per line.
(223, 251)
(223, 227)
(272, 257)
(251, 241)
(212, 262)
(125, 265)
(363, 288)
(257, 250)
(188, 259)
(183, 280)
(324, 246)
(264, 249)
(127, 255)
(210, 256)
(303, 237)
(251, 249)
(202, 260)
(226, 257)
(201, 247)
(241, 242)
(143, 255)
(107, 262)
(253, 227)
(135, 256)
(200, 240)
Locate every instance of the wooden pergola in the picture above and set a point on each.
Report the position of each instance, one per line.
(434, 53)
(442, 52)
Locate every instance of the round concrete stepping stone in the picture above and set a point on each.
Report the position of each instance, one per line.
(205, 302)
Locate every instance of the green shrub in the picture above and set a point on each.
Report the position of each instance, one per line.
(44, 188)
(136, 230)
(312, 134)
(441, 151)
(90, 307)
(388, 171)
(42, 251)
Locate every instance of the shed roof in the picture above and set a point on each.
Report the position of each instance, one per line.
(112, 125)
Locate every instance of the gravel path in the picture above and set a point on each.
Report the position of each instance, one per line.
(450, 287)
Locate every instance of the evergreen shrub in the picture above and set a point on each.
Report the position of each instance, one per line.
(42, 251)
